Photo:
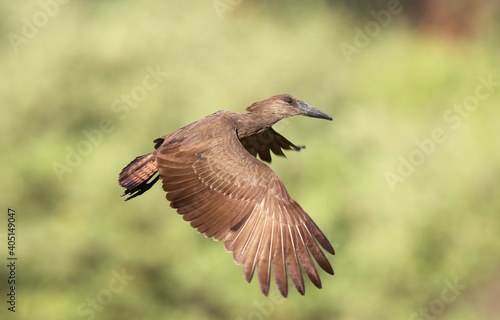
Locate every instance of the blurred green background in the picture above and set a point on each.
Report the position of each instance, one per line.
(415, 221)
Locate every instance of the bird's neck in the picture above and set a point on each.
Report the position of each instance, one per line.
(254, 123)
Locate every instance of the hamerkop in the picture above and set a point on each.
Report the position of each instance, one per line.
(212, 177)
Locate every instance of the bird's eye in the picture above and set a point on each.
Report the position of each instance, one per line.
(289, 100)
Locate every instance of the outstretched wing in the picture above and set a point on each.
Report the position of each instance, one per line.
(225, 192)
(267, 141)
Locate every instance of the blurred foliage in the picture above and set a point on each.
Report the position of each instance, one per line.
(396, 250)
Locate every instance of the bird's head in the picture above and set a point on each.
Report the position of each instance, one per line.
(284, 106)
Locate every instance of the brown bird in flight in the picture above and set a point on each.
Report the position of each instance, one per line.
(213, 178)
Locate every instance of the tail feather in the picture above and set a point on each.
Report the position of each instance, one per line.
(137, 176)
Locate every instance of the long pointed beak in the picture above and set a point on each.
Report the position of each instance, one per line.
(310, 111)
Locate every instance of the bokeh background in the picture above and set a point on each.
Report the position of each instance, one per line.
(87, 85)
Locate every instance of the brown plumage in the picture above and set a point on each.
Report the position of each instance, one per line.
(212, 177)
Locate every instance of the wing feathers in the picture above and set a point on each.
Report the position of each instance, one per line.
(279, 263)
(225, 192)
(251, 247)
(268, 140)
(240, 213)
(305, 258)
(292, 261)
(264, 258)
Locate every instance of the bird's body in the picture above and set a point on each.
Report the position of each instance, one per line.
(212, 177)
